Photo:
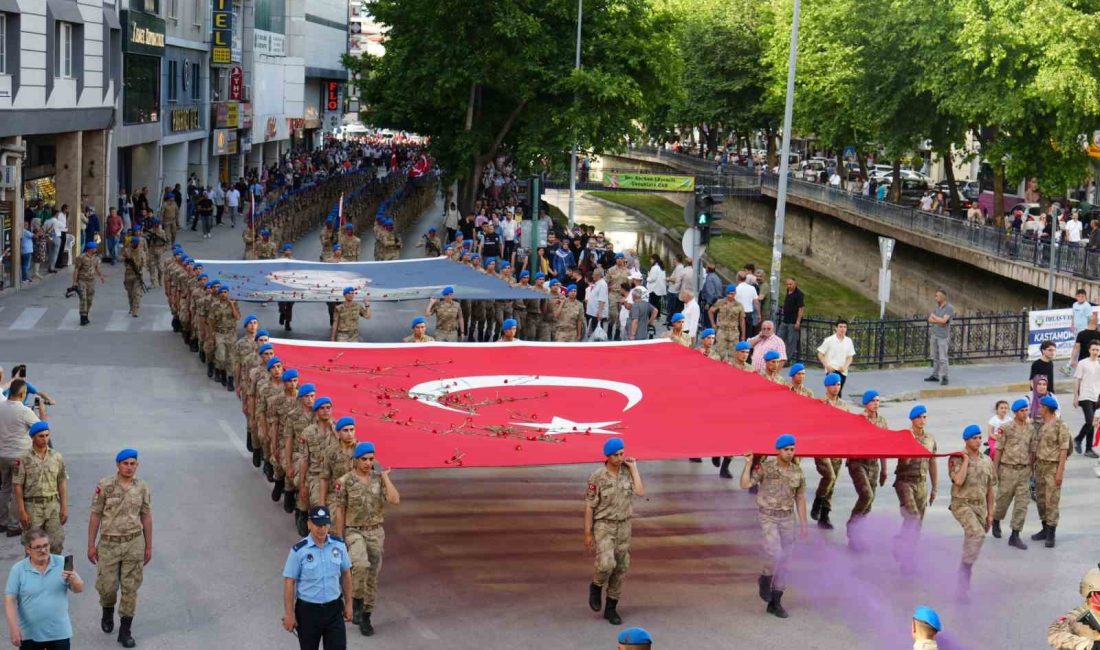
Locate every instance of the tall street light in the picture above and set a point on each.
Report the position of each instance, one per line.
(784, 164)
(573, 155)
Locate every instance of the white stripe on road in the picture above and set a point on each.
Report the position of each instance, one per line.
(234, 437)
(71, 321)
(28, 318)
(120, 321)
(162, 322)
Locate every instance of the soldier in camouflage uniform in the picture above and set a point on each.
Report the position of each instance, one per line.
(863, 472)
(706, 344)
(133, 260)
(448, 316)
(338, 457)
(248, 235)
(1013, 467)
(797, 374)
(728, 317)
(349, 243)
(122, 518)
(607, 513)
(296, 424)
(519, 305)
(265, 248)
(312, 446)
(568, 317)
(223, 322)
(40, 486)
(912, 479)
(267, 389)
(1050, 448)
(616, 276)
(546, 309)
(971, 501)
(773, 368)
(676, 333)
(328, 237)
(740, 358)
(158, 240)
(346, 315)
(243, 351)
(432, 244)
(828, 468)
(207, 308)
(781, 489)
(419, 332)
(85, 270)
(282, 407)
(1080, 628)
(358, 502)
(257, 377)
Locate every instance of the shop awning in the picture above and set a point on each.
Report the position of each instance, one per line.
(65, 11)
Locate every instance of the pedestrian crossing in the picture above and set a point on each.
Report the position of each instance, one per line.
(154, 318)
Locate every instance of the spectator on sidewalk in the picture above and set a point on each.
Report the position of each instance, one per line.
(690, 310)
(36, 598)
(15, 423)
(656, 282)
(710, 293)
(765, 342)
(642, 315)
(746, 294)
(1086, 392)
(940, 337)
(597, 302)
(1082, 309)
(1084, 338)
(113, 232)
(56, 227)
(790, 321)
(675, 280)
(836, 353)
(1044, 365)
(26, 252)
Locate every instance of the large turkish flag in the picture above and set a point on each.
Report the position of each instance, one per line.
(501, 405)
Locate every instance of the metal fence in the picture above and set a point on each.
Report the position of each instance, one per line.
(906, 341)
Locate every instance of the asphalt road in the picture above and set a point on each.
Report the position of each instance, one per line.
(489, 558)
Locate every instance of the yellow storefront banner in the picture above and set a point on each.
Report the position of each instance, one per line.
(652, 182)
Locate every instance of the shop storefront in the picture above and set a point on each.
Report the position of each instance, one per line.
(143, 46)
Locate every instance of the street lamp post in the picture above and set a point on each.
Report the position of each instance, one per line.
(784, 165)
(573, 154)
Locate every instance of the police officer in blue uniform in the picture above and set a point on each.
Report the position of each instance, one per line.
(317, 586)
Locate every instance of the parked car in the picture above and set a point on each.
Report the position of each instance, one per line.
(813, 169)
(970, 189)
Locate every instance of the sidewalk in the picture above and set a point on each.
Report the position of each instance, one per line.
(907, 384)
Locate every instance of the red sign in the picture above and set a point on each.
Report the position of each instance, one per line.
(447, 405)
(333, 102)
(236, 84)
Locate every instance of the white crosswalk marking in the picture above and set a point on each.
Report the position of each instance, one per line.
(160, 321)
(28, 318)
(119, 322)
(71, 320)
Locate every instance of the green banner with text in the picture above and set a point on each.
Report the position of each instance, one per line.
(653, 182)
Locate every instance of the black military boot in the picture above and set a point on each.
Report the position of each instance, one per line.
(229, 385)
(257, 457)
(223, 377)
(716, 460)
(84, 319)
(365, 628)
(195, 345)
(356, 610)
(277, 490)
(248, 441)
(300, 521)
(210, 370)
(696, 460)
(724, 471)
(815, 510)
(269, 471)
(202, 357)
(775, 605)
(609, 612)
(595, 597)
(764, 585)
(997, 528)
(823, 518)
(175, 324)
(1050, 536)
(1041, 535)
(1014, 540)
(289, 497)
(124, 636)
(107, 623)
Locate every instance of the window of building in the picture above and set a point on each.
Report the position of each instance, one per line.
(171, 80)
(141, 89)
(3, 43)
(271, 15)
(174, 9)
(148, 6)
(196, 91)
(64, 67)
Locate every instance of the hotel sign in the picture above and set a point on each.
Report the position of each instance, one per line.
(144, 33)
(185, 119)
(221, 37)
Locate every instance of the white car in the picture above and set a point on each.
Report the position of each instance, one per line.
(813, 169)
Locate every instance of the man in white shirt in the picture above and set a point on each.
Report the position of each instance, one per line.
(232, 203)
(217, 195)
(596, 301)
(15, 423)
(926, 203)
(674, 284)
(746, 294)
(687, 278)
(690, 311)
(1071, 231)
(1086, 393)
(56, 227)
(508, 233)
(836, 352)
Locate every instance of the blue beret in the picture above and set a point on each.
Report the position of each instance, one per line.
(265, 232)
(731, 288)
(620, 256)
(928, 616)
(505, 265)
(337, 247)
(348, 290)
(1049, 402)
(260, 333)
(223, 289)
(971, 430)
(571, 288)
(832, 379)
(321, 401)
(419, 320)
(635, 636)
(676, 318)
(306, 389)
(869, 396)
(39, 427)
(363, 449)
(475, 256)
(288, 246)
(137, 227)
(209, 283)
(272, 361)
(540, 275)
(125, 454)
(797, 368)
(265, 347)
(784, 441)
(346, 421)
(509, 324)
(448, 291)
(1019, 404)
(524, 274)
(134, 239)
(249, 318)
(555, 282)
(91, 245)
(290, 374)
(771, 355)
(742, 346)
(707, 332)
(612, 446)
(917, 411)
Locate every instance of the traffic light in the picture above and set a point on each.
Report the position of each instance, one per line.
(705, 215)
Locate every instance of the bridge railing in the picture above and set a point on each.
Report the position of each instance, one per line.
(906, 341)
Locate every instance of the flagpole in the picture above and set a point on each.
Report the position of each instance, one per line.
(340, 212)
(252, 221)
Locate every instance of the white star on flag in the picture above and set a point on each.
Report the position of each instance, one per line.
(562, 425)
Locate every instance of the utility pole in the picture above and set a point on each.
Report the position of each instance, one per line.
(784, 165)
(573, 154)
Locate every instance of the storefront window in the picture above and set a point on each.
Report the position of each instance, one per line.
(141, 89)
(271, 15)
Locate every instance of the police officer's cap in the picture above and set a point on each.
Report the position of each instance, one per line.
(364, 448)
(319, 516)
(39, 427)
(869, 397)
(917, 411)
(970, 431)
(797, 368)
(928, 616)
(1019, 404)
(771, 355)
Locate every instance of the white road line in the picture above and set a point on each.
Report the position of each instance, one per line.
(28, 318)
(234, 437)
(421, 629)
(163, 322)
(119, 322)
(71, 321)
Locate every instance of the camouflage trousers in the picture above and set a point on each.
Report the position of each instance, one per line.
(544, 331)
(828, 468)
(450, 336)
(566, 335)
(612, 554)
(778, 529)
(153, 267)
(365, 550)
(1012, 487)
(120, 565)
(311, 496)
(87, 294)
(865, 479)
(1047, 493)
(46, 516)
(347, 336)
(276, 445)
(223, 349)
(134, 292)
(725, 343)
(971, 517)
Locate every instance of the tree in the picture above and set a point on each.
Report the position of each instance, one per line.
(483, 77)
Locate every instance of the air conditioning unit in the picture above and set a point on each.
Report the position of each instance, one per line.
(8, 176)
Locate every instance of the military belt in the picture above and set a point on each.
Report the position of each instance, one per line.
(40, 499)
(119, 538)
(972, 502)
(1014, 465)
(365, 528)
(1047, 462)
(770, 512)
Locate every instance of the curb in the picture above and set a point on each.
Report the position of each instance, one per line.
(960, 391)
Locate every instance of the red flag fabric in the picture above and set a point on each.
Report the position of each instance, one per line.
(514, 404)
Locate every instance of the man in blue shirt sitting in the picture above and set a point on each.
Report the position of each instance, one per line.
(317, 586)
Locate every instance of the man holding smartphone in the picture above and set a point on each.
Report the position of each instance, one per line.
(36, 597)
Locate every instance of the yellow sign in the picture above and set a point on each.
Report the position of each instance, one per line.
(652, 182)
